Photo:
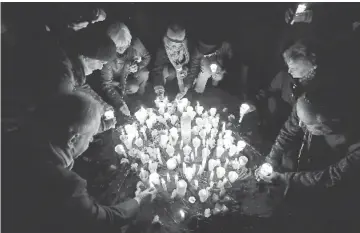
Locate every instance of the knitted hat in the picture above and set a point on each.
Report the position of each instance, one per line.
(96, 46)
(176, 33)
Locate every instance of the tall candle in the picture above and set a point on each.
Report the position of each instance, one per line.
(168, 177)
(181, 187)
(176, 178)
(211, 176)
(186, 128)
(163, 183)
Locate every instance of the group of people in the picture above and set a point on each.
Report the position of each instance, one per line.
(317, 149)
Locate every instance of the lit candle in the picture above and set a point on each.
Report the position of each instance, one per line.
(243, 160)
(203, 195)
(196, 143)
(181, 187)
(154, 179)
(186, 128)
(171, 163)
(159, 156)
(213, 67)
(109, 114)
(178, 158)
(212, 112)
(176, 178)
(241, 145)
(211, 176)
(192, 156)
(266, 169)
(163, 184)
(187, 150)
(120, 150)
(205, 153)
(223, 127)
(196, 184)
(199, 109)
(233, 176)
(220, 172)
(219, 151)
(181, 144)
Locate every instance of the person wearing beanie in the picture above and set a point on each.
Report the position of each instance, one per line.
(127, 73)
(173, 60)
(44, 194)
(211, 61)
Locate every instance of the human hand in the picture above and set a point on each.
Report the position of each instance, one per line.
(101, 16)
(78, 26)
(143, 194)
(183, 73)
(272, 178)
(133, 68)
(181, 95)
(124, 109)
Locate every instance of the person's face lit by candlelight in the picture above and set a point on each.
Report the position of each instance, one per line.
(121, 36)
(300, 61)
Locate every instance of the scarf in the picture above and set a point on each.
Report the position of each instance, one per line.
(179, 57)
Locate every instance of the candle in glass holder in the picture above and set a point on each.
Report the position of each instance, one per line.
(243, 160)
(171, 163)
(220, 172)
(266, 169)
(241, 145)
(186, 128)
(203, 195)
(173, 119)
(163, 184)
(219, 151)
(181, 187)
(199, 109)
(187, 150)
(120, 150)
(154, 179)
(205, 152)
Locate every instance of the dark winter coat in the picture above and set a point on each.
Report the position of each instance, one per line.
(41, 195)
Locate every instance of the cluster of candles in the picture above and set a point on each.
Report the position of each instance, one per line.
(205, 130)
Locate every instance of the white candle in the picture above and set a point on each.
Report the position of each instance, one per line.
(192, 156)
(181, 187)
(266, 169)
(211, 176)
(223, 127)
(168, 177)
(176, 178)
(163, 183)
(159, 156)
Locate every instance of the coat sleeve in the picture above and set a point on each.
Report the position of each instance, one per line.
(328, 177)
(195, 67)
(108, 86)
(85, 213)
(144, 54)
(157, 73)
(288, 135)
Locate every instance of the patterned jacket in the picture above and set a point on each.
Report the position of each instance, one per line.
(221, 56)
(113, 73)
(330, 176)
(162, 60)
